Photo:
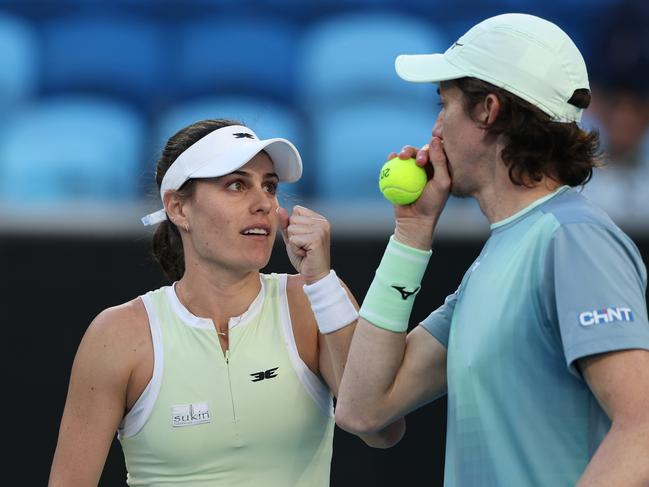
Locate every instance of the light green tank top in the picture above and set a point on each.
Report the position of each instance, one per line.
(255, 417)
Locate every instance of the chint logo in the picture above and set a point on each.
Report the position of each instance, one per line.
(243, 135)
(605, 315)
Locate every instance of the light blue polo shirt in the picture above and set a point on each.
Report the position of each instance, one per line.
(555, 282)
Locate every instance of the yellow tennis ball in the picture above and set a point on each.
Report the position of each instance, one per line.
(402, 181)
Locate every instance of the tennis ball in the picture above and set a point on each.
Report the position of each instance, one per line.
(402, 181)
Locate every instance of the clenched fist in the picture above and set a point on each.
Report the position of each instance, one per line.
(307, 238)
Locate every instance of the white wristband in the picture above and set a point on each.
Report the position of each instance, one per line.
(330, 303)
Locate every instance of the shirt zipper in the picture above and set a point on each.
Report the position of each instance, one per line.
(227, 366)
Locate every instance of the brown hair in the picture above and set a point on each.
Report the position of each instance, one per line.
(536, 145)
(167, 243)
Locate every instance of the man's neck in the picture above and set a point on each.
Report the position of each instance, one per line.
(504, 199)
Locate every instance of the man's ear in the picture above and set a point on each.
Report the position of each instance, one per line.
(489, 110)
(174, 205)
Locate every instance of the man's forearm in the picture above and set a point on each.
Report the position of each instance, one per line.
(622, 459)
(374, 359)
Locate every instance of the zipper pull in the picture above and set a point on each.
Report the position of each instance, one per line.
(227, 356)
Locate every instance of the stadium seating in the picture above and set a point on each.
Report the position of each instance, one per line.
(341, 61)
(307, 71)
(117, 56)
(234, 54)
(68, 148)
(19, 56)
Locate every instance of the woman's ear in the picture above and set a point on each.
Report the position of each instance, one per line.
(175, 207)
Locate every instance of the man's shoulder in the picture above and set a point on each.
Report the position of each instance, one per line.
(581, 227)
(572, 207)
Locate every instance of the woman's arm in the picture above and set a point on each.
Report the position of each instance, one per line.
(323, 346)
(96, 400)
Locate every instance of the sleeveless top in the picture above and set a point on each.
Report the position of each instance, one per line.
(256, 415)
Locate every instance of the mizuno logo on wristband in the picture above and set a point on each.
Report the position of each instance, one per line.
(405, 294)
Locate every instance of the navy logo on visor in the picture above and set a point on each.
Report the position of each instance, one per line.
(243, 135)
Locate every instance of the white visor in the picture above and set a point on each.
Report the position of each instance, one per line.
(223, 151)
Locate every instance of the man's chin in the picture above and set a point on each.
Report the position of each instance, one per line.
(459, 192)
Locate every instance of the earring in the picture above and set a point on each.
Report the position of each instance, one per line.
(187, 227)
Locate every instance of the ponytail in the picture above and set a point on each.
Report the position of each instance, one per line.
(168, 250)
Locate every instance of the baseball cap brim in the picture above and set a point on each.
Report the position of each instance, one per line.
(426, 68)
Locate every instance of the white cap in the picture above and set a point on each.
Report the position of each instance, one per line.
(523, 54)
(223, 151)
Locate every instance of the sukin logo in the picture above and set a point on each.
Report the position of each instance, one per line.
(405, 294)
(189, 414)
(264, 374)
(243, 135)
(605, 315)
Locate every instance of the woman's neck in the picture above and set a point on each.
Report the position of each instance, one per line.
(218, 295)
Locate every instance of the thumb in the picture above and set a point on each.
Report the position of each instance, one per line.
(282, 217)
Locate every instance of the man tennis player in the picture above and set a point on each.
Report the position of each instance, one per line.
(543, 347)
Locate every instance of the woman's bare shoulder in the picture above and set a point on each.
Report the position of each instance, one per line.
(120, 331)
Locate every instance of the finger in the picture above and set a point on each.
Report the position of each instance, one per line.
(295, 228)
(304, 211)
(423, 155)
(439, 162)
(391, 156)
(296, 250)
(408, 152)
(308, 220)
(283, 218)
(302, 242)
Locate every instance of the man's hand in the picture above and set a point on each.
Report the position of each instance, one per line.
(415, 223)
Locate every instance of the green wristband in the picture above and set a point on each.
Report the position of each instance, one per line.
(389, 299)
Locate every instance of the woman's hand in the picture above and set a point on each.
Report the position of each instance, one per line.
(307, 238)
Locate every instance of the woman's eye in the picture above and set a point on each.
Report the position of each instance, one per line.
(235, 186)
(271, 187)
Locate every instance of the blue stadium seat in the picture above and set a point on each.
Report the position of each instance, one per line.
(71, 148)
(231, 54)
(351, 56)
(354, 140)
(19, 56)
(108, 55)
(267, 118)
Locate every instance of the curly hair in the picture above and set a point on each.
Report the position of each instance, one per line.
(536, 146)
